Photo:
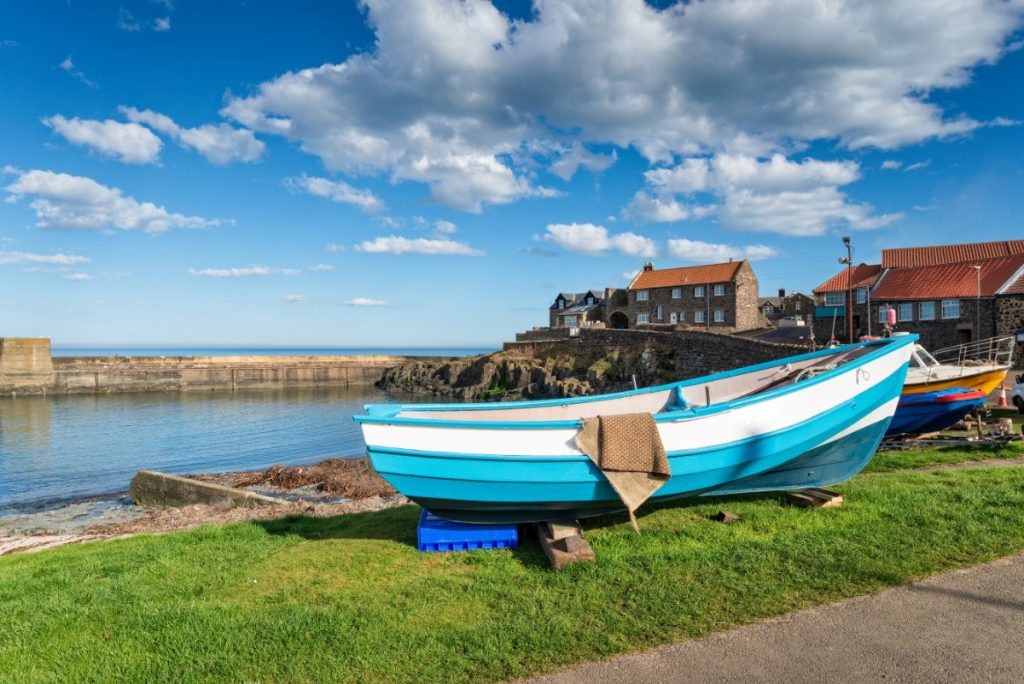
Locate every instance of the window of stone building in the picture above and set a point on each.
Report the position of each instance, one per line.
(906, 311)
(926, 311)
(719, 290)
(769, 309)
(835, 298)
(881, 312)
(698, 291)
(698, 316)
(642, 295)
(798, 305)
(951, 308)
(661, 314)
(719, 316)
(673, 318)
(862, 295)
(677, 293)
(570, 321)
(561, 303)
(643, 318)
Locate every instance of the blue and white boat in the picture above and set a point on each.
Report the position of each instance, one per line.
(934, 411)
(810, 420)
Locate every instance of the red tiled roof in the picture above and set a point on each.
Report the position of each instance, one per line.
(686, 275)
(864, 275)
(908, 257)
(947, 280)
(1016, 287)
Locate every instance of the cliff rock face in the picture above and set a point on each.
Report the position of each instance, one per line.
(560, 371)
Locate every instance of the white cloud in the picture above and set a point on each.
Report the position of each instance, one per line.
(78, 277)
(395, 244)
(628, 275)
(61, 200)
(295, 299)
(445, 228)
(919, 165)
(126, 21)
(336, 191)
(363, 301)
(69, 66)
(219, 143)
(9, 44)
(321, 267)
(776, 195)
(461, 97)
(161, 24)
(245, 272)
(333, 247)
(577, 156)
(587, 238)
(891, 164)
(58, 259)
(128, 142)
(710, 252)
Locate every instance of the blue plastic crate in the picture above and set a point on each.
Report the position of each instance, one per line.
(437, 534)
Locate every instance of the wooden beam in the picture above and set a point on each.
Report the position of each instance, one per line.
(563, 543)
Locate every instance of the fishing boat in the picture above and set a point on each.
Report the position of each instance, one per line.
(808, 420)
(933, 411)
(980, 366)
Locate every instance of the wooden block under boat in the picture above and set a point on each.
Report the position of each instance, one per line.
(815, 498)
(563, 543)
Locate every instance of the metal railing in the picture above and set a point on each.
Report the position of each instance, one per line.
(994, 351)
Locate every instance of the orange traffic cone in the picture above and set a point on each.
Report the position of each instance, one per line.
(1002, 395)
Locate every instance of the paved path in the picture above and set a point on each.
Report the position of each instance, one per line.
(958, 627)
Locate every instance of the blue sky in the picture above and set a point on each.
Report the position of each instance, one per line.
(431, 173)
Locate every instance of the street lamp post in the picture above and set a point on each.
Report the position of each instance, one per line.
(849, 288)
(977, 302)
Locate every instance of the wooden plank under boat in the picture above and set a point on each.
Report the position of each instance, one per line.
(811, 420)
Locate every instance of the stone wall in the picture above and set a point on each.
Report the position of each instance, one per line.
(88, 375)
(746, 316)
(595, 361)
(25, 361)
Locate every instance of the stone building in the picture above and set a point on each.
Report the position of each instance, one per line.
(794, 304)
(577, 309)
(721, 297)
(949, 294)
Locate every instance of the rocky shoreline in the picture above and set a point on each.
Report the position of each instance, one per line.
(331, 487)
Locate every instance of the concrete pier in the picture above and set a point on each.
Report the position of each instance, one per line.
(26, 367)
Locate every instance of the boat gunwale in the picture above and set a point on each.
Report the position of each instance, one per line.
(884, 346)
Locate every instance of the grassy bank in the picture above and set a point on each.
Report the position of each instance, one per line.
(350, 598)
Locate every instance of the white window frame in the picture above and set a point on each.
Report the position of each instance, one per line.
(900, 308)
(882, 309)
(768, 309)
(719, 290)
(798, 305)
(830, 298)
(642, 318)
(673, 318)
(570, 321)
(862, 295)
(950, 303)
(677, 293)
(661, 313)
(921, 316)
(561, 304)
(643, 295)
(698, 291)
(719, 315)
(698, 316)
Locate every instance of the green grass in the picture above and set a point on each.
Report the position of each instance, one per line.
(888, 461)
(350, 599)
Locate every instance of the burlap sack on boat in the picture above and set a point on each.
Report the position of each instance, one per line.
(628, 450)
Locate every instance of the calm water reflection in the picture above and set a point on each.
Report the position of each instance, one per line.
(73, 446)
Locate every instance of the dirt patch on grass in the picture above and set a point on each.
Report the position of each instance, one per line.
(170, 519)
(349, 478)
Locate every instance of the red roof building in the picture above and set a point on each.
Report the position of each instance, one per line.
(650, 278)
(948, 281)
(908, 257)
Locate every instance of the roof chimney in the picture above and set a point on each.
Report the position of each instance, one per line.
(649, 266)
(782, 293)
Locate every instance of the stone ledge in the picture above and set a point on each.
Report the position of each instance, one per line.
(160, 490)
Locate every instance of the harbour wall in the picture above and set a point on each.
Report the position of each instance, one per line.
(26, 367)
